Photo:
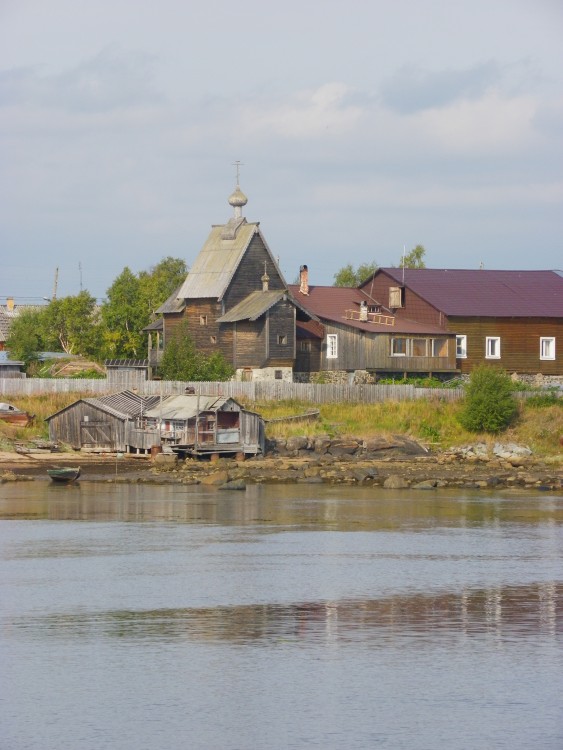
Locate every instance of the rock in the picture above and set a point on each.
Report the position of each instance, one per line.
(218, 477)
(294, 444)
(343, 447)
(234, 484)
(166, 459)
(396, 482)
(427, 484)
(321, 444)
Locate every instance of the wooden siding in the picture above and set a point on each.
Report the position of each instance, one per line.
(308, 361)
(281, 322)
(249, 343)
(359, 350)
(248, 276)
(83, 424)
(414, 307)
(519, 342)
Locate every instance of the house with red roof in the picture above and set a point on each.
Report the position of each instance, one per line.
(507, 319)
(354, 337)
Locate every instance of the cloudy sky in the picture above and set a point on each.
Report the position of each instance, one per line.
(363, 127)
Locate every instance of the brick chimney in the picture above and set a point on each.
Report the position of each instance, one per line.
(304, 280)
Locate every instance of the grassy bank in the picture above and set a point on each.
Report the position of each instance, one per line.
(432, 422)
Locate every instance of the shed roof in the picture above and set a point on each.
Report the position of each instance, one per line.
(485, 293)
(252, 307)
(187, 407)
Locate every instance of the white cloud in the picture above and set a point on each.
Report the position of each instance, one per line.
(308, 114)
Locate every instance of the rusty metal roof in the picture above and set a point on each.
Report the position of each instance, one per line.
(485, 293)
(217, 262)
(329, 303)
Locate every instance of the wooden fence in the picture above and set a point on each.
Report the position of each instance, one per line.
(254, 391)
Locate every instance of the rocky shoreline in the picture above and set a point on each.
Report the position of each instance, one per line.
(392, 463)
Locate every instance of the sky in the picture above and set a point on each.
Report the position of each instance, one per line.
(363, 128)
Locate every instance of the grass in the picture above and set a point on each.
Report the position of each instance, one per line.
(432, 422)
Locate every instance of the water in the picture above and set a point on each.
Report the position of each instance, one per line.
(135, 617)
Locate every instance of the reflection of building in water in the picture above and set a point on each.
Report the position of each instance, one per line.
(501, 612)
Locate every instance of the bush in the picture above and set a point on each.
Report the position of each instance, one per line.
(489, 405)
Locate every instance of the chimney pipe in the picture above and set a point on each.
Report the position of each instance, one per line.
(10, 304)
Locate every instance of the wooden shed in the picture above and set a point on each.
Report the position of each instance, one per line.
(207, 425)
(106, 424)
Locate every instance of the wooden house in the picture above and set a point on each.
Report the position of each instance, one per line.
(507, 319)
(10, 368)
(201, 425)
(105, 424)
(235, 301)
(352, 335)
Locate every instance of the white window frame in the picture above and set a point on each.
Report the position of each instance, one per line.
(547, 347)
(461, 346)
(332, 346)
(492, 347)
(407, 347)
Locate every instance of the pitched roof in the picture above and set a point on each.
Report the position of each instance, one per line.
(485, 293)
(123, 405)
(331, 302)
(218, 260)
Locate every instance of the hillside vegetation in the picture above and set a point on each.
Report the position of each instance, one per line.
(435, 423)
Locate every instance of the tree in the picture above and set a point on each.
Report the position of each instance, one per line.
(124, 316)
(414, 259)
(131, 303)
(490, 405)
(70, 323)
(157, 284)
(26, 336)
(182, 361)
(350, 276)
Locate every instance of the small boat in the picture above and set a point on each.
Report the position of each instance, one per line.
(13, 415)
(64, 474)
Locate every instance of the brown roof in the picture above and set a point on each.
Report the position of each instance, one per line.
(484, 293)
(331, 303)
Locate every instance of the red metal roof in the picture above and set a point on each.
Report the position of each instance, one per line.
(485, 293)
(331, 303)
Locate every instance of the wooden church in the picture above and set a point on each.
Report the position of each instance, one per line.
(235, 301)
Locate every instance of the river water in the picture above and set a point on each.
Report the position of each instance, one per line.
(138, 617)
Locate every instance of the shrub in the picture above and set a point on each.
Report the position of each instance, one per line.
(489, 405)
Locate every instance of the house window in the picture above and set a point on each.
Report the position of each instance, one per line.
(203, 320)
(213, 339)
(305, 346)
(547, 347)
(332, 346)
(398, 347)
(439, 347)
(492, 347)
(278, 375)
(461, 347)
(396, 296)
(419, 347)
(282, 339)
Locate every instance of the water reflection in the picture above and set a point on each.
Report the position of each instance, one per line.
(504, 613)
(324, 508)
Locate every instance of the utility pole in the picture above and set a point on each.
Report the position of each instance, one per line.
(56, 283)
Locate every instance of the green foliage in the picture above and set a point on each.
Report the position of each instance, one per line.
(489, 405)
(350, 276)
(414, 259)
(26, 340)
(131, 303)
(551, 397)
(182, 361)
(70, 324)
